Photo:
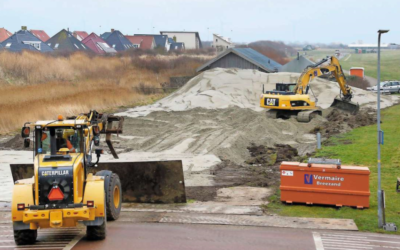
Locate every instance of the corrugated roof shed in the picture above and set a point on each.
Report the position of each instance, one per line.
(41, 34)
(296, 65)
(251, 56)
(118, 41)
(65, 41)
(80, 35)
(147, 42)
(4, 34)
(97, 45)
(25, 40)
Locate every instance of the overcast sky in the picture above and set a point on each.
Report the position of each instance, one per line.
(317, 21)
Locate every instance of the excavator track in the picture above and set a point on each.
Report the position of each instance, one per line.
(306, 116)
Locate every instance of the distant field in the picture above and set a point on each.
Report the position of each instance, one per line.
(390, 64)
(390, 61)
(35, 86)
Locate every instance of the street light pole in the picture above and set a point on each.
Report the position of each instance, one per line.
(378, 118)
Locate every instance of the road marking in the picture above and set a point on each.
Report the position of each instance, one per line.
(318, 241)
(47, 239)
(357, 241)
(347, 58)
(75, 240)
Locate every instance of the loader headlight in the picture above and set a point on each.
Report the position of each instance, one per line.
(20, 206)
(283, 105)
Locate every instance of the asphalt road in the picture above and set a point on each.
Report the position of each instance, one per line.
(127, 235)
(183, 236)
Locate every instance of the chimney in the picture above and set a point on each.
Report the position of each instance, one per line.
(112, 30)
(24, 28)
(298, 55)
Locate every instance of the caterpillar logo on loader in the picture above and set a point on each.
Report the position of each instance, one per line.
(64, 187)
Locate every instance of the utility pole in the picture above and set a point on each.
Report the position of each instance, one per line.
(380, 133)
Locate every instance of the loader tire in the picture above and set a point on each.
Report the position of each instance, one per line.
(25, 237)
(114, 197)
(97, 232)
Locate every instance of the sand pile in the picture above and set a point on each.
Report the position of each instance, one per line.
(224, 88)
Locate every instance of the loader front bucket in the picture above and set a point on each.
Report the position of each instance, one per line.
(142, 182)
(349, 106)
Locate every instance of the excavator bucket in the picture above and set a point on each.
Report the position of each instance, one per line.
(349, 106)
(142, 182)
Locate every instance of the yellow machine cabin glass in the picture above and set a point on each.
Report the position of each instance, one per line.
(63, 137)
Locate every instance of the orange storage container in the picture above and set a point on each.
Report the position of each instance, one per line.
(325, 184)
(357, 71)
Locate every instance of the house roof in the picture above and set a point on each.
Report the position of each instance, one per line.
(223, 38)
(97, 45)
(147, 42)
(4, 34)
(41, 34)
(23, 40)
(65, 41)
(82, 34)
(297, 65)
(105, 35)
(160, 40)
(118, 41)
(177, 46)
(250, 55)
(195, 32)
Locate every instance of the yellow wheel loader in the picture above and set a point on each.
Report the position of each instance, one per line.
(65, 186)
(294, 100)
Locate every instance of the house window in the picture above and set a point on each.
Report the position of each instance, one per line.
(34, 44)
(216, 40)
(8, 45)
(105, 45)
(176, 47)
(136, 46)
(56, 46)
(76, 46)
(98, 46)
(83, 46)
(49, 44)
(113, 45)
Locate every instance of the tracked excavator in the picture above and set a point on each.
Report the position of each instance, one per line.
(290, 99)
(65, 186)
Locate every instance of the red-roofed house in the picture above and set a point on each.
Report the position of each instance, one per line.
(4, 34)
(80, 35)
(41, 34)
(98, 45)
(142, 42)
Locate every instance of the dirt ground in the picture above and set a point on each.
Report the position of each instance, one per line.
(341, 122)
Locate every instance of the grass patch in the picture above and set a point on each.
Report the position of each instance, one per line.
(361, 152)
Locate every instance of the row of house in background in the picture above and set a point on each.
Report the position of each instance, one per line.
(108, 42)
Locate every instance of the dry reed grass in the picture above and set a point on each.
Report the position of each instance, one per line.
(34, 86)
